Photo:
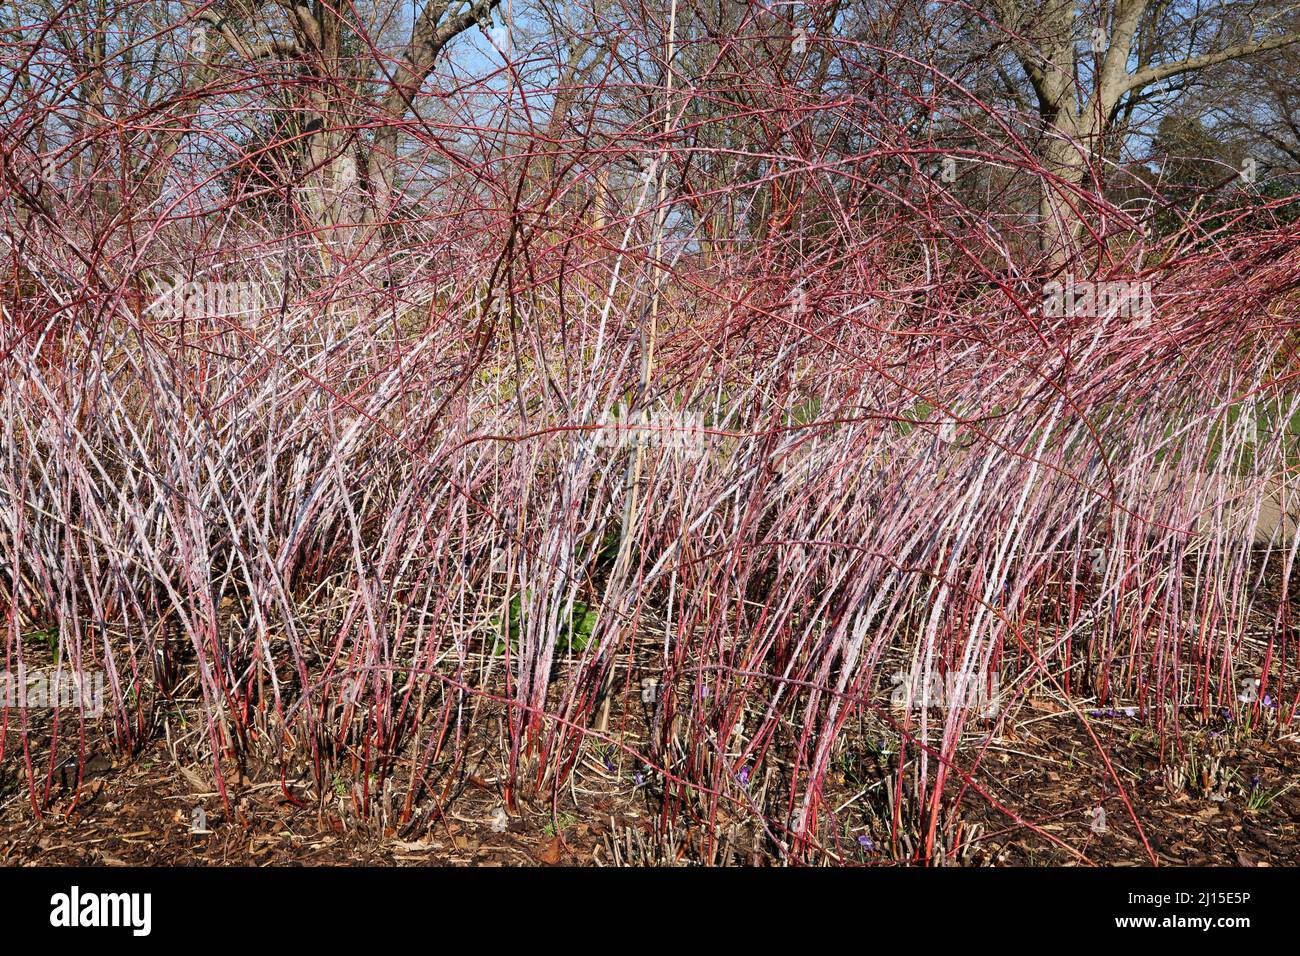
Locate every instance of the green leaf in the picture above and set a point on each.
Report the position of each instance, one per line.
(575, 630)
(49, 635)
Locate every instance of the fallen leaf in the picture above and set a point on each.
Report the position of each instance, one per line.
(551, 853)
(409, 847)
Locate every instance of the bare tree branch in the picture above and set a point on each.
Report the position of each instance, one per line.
(1155, 74)
(428, 38)
(256, 51)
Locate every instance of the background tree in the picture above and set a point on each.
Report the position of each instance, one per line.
(1091, 68)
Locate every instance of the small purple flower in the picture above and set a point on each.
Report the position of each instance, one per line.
(1094, 713)
(640, 778)
(609, 764)
(1269, 701)
(743, 775)
(867, 843)
(1130, 711)
(1254, 783)
(704, 692)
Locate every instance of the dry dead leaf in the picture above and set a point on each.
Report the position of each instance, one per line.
(551, 852)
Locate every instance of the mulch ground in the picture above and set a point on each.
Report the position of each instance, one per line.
(144, 813)
(1219, 797)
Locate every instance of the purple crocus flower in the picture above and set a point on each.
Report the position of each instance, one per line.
(743, 775)
(866, 843)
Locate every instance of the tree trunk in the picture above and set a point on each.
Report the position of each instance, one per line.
(1060, 223)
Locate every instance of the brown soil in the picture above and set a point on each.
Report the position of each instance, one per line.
(1220, 797)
